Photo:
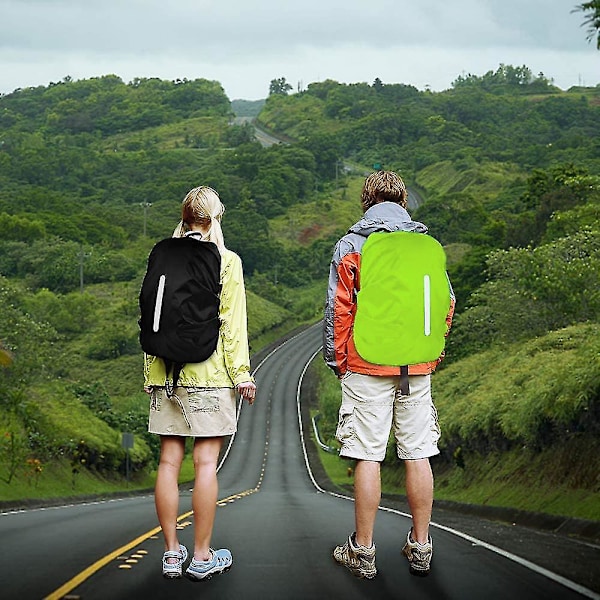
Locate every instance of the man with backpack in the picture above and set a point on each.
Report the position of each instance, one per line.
(389, 307)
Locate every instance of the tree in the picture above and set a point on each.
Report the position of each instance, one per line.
(531, 291)
(592, 19)
(279, 86)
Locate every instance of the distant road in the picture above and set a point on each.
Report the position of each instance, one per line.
(266, 139)
(263, 137)
(414, 199)
(278, 522)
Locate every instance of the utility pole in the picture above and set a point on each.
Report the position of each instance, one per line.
(339, 169)
(81, 255)
(145, 206)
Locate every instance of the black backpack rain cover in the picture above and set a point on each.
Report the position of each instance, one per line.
(179, 301)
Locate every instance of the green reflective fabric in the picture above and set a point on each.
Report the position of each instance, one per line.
(403, 300)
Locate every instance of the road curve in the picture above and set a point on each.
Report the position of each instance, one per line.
(265, 139)
(278, 525)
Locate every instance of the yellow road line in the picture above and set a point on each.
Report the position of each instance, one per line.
(89, 571)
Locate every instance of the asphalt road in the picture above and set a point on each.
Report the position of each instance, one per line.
(265, 139)
(278, 522)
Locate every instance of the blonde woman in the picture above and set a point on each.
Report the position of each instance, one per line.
(203, 405)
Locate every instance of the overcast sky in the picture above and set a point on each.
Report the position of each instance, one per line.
(244, 44)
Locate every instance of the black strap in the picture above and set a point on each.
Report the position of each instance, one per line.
(176, 369)
(404, 387)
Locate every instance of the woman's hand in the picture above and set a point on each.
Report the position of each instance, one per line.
(247, 390)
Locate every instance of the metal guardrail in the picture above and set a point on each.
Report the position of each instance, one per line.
(318, 436)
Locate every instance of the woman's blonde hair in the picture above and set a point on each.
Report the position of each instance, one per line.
(383, 186)
(202, 206)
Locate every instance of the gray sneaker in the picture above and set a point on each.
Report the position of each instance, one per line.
(172, 570)
(418, 555)
(359, 559)
(219, 562)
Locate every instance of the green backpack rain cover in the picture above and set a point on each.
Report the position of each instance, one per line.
(403, 300)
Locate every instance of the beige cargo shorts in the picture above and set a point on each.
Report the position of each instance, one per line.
(196, 412)
(372, 407)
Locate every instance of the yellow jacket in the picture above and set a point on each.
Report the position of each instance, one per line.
(229, 364)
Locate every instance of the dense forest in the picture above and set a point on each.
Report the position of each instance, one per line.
(92, 172)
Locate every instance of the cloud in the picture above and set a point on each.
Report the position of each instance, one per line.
(134, 26)
(246, 44)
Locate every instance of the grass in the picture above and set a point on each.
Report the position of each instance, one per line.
(517, 479)
(558, 480)
(185, 135)
(526, 391)
(263, 315)
(58, 481)
(328, 215)
(340, 471)
(494, 480)
(493, 423)
(480, 180)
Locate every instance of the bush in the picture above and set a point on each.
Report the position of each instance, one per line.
(526, 394)
(532, 291)
(84, 438)
(113, 342)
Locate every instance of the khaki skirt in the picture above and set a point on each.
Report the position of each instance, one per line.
(193, 411)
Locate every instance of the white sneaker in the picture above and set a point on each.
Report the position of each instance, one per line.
(220, 561)
(172, 570)
(359, 559)
(418, 555)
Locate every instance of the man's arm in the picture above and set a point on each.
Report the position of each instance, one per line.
(340, 307)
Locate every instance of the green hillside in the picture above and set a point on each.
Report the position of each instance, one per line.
(519, 426)
(507, 168)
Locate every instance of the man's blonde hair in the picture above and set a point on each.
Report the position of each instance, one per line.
(383, 186)
(202, 206)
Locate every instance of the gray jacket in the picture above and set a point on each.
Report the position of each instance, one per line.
(338, 347)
